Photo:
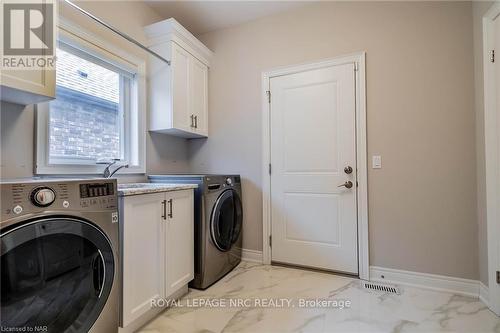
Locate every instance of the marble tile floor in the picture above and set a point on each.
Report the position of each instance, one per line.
(272, 299)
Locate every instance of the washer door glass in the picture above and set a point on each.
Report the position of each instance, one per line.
(57, 274)
(226, 221)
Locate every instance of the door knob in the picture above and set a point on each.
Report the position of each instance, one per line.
(347, 184)
(348, 169)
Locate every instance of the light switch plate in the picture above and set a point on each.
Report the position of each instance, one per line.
(377, 162)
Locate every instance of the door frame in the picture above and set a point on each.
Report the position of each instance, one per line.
(358, 59)
(492, 157)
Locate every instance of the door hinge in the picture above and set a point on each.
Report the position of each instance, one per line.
(492, 55)
(498, 277)
(270, 241)
(355, 66)
(269, 168)
(268, 96)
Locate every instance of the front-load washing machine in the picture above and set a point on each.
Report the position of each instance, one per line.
(218, 224)
(59, 256)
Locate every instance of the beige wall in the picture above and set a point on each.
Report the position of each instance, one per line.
(420, 105)
(479, 9)
(420, 119)
(164, 153)
(16, 140)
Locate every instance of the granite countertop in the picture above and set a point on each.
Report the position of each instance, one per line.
(145, 188)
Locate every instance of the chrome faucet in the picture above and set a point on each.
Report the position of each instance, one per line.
(107, 173)
(116, 170)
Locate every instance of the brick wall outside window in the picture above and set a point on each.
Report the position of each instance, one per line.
(85, 118)
(84, 126)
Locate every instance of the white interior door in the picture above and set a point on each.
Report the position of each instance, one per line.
(314, 221)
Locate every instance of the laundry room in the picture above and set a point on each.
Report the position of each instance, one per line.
(249, 166)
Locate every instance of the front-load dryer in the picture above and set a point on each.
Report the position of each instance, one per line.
(218, 224)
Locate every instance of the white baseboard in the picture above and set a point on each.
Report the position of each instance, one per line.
(427, 281)
(252, 255)
(484, 293)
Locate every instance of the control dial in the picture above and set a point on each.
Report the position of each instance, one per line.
(229, 181)
(43, 196)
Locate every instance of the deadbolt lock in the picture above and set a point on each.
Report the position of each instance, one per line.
(348, 169)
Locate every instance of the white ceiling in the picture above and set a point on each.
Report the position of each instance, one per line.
(200, 17)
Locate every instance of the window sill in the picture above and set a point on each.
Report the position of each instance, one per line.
(85, 170)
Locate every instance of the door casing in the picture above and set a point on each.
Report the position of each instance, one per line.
(492, 155)
(361, 153)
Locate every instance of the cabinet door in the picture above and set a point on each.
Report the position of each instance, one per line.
(143, 253)
(27, 86)
(179, 240)
(198, 84)
(180, 86)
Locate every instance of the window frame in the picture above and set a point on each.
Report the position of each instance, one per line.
(134, 136)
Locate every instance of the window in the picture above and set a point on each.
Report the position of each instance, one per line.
(96, 115)
(86, 119)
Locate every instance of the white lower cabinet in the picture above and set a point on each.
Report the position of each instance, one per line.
(143, 253)
(157, 249)
(179, 240)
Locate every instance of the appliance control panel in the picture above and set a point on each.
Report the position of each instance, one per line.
(216, 183)
(98, 195)
(31, 197)
(42, 196)
(96, 190)
(232, 180)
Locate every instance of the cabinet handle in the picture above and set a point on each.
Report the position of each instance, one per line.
(170, 209)
(195, 121)
(164, 209)
(192, 120)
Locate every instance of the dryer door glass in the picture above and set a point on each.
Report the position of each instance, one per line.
(226, 220)
(57, 274)
(238, 217)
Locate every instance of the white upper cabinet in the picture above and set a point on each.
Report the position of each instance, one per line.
(27, 86)
(178, 93)
(198, 74)
(181, 85)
